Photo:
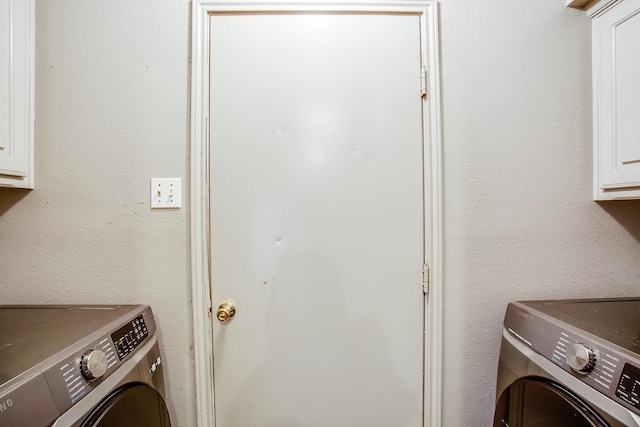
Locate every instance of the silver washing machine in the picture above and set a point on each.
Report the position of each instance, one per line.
(83, 366)
(570, 363)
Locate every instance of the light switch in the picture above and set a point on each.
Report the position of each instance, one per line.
(165, 193)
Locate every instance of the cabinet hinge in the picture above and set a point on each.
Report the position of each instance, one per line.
(423, 82)
(425, 278)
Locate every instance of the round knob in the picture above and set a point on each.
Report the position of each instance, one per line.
(226, 310)
(94, 364)
(581, 358)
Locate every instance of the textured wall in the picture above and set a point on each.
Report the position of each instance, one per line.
(519, 219)
(112, 112)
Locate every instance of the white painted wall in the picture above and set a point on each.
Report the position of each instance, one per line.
(519, 220)
(112, 103)
(112, 111)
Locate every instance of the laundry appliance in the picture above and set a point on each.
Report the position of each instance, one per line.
(570, 363)
(65, 366)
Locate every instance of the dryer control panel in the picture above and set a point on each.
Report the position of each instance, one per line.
(613, 370)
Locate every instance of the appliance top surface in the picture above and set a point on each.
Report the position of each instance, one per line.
(31, 334)
(615, 320)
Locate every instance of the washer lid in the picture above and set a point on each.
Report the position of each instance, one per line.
(615, 320)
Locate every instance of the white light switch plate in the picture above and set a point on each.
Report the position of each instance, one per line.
(165, 193)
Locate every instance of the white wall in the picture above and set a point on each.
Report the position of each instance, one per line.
(111, 112)
(112, 109)
(519, 220)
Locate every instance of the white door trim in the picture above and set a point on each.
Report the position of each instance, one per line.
(200, 244)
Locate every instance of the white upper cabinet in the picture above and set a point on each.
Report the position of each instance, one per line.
(616, 99)
(16, 93)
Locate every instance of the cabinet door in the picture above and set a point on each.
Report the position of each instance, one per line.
(616, 34)
(16, 93)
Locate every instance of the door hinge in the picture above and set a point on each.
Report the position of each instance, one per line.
(423, 82)
(425, 278)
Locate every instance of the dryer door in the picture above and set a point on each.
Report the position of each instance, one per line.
(536, 402)
(136, 405)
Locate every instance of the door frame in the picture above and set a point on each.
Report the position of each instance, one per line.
(427, 10)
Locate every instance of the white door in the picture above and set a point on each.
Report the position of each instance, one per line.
(317, 222)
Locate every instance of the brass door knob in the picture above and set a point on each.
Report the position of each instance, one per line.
(226, 310)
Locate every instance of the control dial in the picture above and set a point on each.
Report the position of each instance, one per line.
(93, 364)
(581, 358)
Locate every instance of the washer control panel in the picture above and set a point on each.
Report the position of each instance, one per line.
(92, 361)
(629, 385)
(128, 338)
(610, 369)
(69, 373)
(581, 358)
